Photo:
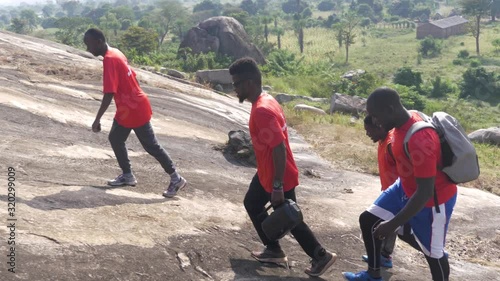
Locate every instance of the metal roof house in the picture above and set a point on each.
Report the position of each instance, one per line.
(442, 28)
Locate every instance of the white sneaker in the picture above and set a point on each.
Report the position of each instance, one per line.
(123, 179)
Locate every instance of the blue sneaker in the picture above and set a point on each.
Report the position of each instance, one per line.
(360, 276)
(384, 262)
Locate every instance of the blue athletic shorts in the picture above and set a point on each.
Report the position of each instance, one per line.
(428, 226)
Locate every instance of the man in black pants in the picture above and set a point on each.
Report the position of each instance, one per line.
(423, 197)
(133, 112)
(277, 174)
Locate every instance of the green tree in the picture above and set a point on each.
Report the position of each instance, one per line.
(266, 20)
(110, 22)
(48, 10)
(71, 30)
(31, 18)
(279, 31)
(249, 6)
(142, 40)
(495, 9)
(326, 5)
(123, 13)
(476, 9)
(168, 12)
(299, 23)
(347, 32)
(19, 26)
(71, 7)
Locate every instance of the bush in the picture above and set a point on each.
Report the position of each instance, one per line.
(283, 63)
(441, 88)
(463, 54)
(326, 5)
(458, 61)
(479, 84)
(430, 47)
(475, 63)
(407, 77)
(496, 44)
(410, 97)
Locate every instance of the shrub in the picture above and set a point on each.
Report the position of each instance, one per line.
(410, 97)
(407, 77)
(480, 84)
(441, 88)
(430, 47)
(475, 63)
(463, 54)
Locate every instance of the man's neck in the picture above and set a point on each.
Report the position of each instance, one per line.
(255, 97)
(402, 117)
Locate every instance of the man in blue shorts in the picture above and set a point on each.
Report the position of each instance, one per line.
(423, 196)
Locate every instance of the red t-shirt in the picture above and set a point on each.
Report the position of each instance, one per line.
(386, 163)
(268, 129)
(132, 105)
(425, 151)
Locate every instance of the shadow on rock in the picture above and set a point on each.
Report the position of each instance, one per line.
(251, 270)
(86, 197)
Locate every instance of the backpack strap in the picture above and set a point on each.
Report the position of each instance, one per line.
(417, 126)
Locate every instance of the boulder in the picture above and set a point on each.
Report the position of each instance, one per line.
(352, 105)
(214, 76)
(176, 73)
(222, 35)
(240, 147)
(353, 73)
(308, 108)
(490, 135)
(284, 98)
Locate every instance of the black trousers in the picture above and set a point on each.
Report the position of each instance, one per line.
(440, 268)
(255, 202)
(119, 134)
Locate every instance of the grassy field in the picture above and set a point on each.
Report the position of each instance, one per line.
(387, 49)
(342, 140)
(344, 144)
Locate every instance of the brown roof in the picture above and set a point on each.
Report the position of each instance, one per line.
(448, 22)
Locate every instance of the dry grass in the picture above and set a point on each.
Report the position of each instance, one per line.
(344, 144)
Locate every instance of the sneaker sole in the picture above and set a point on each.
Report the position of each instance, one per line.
(122, 184)
(172, 195)
(271, 260)
(381, 265)
(327, 266)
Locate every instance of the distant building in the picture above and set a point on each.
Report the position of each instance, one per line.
(442, 28)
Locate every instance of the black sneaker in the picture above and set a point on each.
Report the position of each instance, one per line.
(272, 256)
(319, 266)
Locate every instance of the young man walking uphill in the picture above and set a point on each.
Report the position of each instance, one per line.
(133, 112)
(277, 174)
(388, 175)
(423, 196)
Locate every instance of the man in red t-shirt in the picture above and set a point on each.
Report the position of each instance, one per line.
(423, 197)
(388, 175)
(133, 112)
(277, 175)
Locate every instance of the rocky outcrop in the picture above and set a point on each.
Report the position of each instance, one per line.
(490, 135)
(222, 35)
(352, 105)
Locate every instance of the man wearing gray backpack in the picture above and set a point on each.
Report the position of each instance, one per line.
(424, 196)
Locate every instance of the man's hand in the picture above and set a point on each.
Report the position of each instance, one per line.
(384, 230)
(277, 197)
(96, 126)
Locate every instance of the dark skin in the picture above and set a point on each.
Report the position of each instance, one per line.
(391, 116)
(375, 133)
(98, 47)
(247, 89)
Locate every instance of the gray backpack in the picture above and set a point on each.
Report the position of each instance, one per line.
(459, 156)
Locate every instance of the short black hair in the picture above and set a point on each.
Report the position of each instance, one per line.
(246, 67)
(95, 33)
(383, 97)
